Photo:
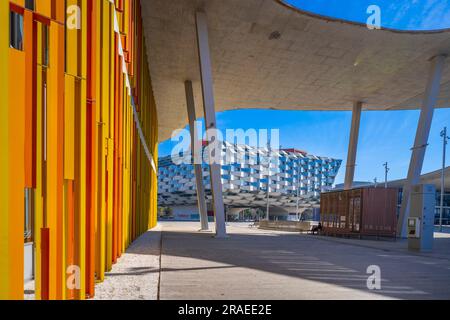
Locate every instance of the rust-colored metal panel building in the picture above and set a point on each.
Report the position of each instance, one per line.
(362, 211)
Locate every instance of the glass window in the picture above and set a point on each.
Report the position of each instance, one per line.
(29, 4)
(16, 31)
(45, 46)
(29, 215)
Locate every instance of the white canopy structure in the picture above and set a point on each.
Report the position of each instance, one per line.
(264, 54)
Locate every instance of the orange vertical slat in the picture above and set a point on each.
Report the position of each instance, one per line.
(70, 229)
(91, 125)
(120, 153)
(17, 179)
(30, 35)
(114, 200)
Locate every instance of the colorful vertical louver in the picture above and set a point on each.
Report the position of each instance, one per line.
(78, 132)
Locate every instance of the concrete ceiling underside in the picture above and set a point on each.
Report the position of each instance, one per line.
(268, 56)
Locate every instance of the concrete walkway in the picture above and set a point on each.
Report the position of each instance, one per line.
(136, 274)
(269, 265)
(256, 264)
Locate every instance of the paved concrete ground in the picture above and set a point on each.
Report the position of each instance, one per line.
(134, 277)
(175, 261)
(256, 264)
(29, 293)
(136, 274)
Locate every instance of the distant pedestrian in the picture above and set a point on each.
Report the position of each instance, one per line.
(317, 229)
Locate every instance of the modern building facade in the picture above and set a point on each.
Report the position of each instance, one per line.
(295, 177)
(77, 121)
(434, 178)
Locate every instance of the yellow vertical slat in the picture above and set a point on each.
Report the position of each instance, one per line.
(38, 204)
(54, 159)
(104, 123)
(69, 127)
(110, 135)
(99, 177)
(83, 157)
(72, 44)
(4, 142)
(44, 7)
(82, 199)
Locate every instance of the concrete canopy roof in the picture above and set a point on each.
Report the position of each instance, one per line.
(314, 64)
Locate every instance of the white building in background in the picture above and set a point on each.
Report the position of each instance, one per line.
(295, 176)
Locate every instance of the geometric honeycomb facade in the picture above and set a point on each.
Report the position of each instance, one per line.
(294, 176)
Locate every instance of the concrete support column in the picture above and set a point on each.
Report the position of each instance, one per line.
(353, 146)
(196, 157)
(210, 120)
(421, 141)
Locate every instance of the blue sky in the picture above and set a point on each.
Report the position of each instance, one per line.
(384, 136)
(396, 14)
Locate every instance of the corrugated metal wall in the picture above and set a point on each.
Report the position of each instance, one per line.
(364, 211)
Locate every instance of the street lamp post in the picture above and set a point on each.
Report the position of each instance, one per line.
(298, 189)
(386, 171)
(444, 142)
(268, 181)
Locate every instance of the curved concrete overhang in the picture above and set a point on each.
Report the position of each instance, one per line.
(266, 55)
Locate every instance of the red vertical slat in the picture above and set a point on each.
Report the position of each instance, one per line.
(90, 152)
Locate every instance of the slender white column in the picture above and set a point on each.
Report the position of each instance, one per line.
(421, 141)
(353, 146)
(210, 120)
(196, 156)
